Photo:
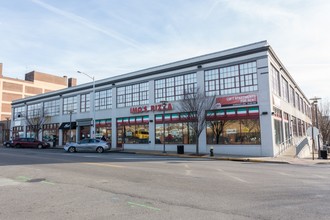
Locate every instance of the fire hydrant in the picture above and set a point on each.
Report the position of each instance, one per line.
(211, 152)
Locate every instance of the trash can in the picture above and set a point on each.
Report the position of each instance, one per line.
(180, 149)
(324, 154)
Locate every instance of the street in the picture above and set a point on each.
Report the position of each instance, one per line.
(53, 184)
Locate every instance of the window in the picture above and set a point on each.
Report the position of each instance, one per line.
(85, 102)
(175, 88)
(52, 108)
(231, 79)
(69, 104)
(275, 81)
(137, 94)
(292, 97)
(133, 130)
(178, 129)
(34, 111)
(285, 89)
(297, 101)
(19, 112)
(103, 99)
(294, 126)
(278, 126)
(233, 126)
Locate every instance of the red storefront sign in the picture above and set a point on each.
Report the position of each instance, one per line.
(237, 100)
(152, 108)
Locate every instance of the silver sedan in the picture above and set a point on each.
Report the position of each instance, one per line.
(94, 145)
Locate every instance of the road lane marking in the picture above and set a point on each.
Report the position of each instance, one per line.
(233, 177)
(104, 165)
(132, 204)
(284, 174)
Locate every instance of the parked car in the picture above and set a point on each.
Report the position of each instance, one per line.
(89, 144)
(8, 143)
(29, 142)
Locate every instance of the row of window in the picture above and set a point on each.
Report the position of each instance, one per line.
(294, 128)
(283, 89)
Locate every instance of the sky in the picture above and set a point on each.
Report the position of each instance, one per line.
(105, 38)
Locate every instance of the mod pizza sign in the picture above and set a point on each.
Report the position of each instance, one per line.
(237, 100)
(152, 108)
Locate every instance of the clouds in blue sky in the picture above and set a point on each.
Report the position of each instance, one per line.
(110, 37)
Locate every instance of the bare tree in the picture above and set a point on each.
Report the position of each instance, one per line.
(217, 129)
(36, 121)
(195, 103)
(324, 120)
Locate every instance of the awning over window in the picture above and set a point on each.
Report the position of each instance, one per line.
(66, 125)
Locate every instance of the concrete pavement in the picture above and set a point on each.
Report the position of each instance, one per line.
(280, 159)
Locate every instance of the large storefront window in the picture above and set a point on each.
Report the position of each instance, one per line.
(50, 132)
(279, 139)
(18, 132)
(132, 130)
(32, 131)
(294, 126)
(286, 126)
(178, 130)
(103, 129)
(233, 126)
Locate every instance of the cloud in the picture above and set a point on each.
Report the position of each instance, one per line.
(87, 23)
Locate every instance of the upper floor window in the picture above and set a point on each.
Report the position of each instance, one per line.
(297, 101)
(103, 99)
(19, 112)
(285, 89)
(232, 79)
(70, 104)
(175, 88)
(292, 96)
(131, 95)
(275, 81)
(85, 102)
(34, 110)
(52, 108)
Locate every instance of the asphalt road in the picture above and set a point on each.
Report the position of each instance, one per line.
(53, 184)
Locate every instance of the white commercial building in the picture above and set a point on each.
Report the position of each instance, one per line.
(260, 108)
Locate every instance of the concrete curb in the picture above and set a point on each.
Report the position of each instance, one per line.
(208, 157)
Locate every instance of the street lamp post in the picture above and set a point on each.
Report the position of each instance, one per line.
(93, 106)
(164, 103)
(70, 112)
(7, 130)
(315, 100)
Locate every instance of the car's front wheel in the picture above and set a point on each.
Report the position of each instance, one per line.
(7, 145)
(99, 150)
(39, 146)
(72, 149)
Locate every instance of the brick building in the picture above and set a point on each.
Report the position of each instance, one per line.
(33, 84)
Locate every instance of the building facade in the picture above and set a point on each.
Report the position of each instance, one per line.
(33, 84)
(259, 107)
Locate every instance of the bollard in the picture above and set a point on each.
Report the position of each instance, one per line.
(211, 152)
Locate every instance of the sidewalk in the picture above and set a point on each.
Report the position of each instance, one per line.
(282, 160)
